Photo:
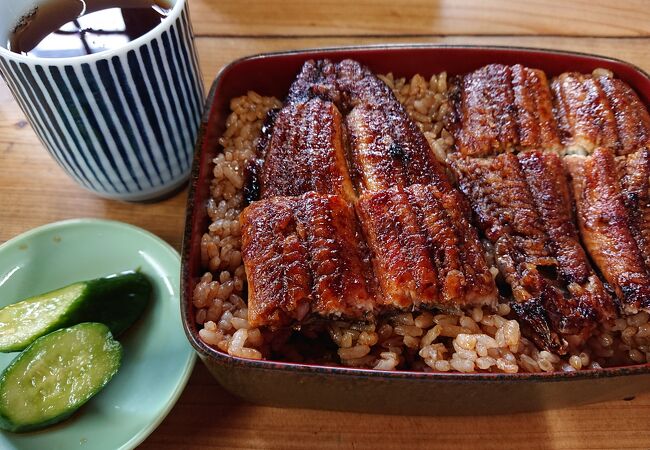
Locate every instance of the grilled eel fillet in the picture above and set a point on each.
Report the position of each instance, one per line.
(598, 110)
(425, 252)
(306, 152)
(386, 148)
(500, 109)
(306, 148)
(550, 190)
(521, 204)
(305, 256)
(612, 201)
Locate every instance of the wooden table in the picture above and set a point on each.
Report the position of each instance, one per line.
(34, 191)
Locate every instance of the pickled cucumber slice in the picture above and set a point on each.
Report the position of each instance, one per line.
(56, 375)
(116, 301)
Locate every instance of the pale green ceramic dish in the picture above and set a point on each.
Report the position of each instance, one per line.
(157, 357)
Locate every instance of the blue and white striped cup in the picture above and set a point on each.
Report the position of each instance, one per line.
(122, 122)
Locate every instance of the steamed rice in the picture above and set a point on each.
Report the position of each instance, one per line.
(477, 340)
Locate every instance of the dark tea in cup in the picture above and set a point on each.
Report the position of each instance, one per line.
(67, 28)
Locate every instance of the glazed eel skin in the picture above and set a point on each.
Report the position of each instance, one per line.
(613, 205)
(522, 206)
(333, 110)
(500, 108)
(306, 152)
(425, 252)
(599, 111)
(305, 256)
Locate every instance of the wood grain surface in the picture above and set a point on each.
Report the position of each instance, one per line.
(419, 17)
(35, 191)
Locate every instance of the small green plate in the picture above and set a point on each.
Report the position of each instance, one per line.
(157, 360)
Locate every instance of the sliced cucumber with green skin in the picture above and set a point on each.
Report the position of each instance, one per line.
(57, 374)
(116, 301)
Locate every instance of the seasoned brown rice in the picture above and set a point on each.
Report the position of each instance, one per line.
(477, 340)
